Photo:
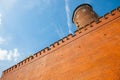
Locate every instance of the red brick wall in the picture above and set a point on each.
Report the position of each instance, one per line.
(92, 54)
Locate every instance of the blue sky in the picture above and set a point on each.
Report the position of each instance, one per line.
(27, 26)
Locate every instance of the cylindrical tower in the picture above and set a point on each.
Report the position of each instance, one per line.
(83, 15)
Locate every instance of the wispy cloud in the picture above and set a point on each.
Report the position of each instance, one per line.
(35, 4)
(0, 18)
(9, 54)
(68, 15)
(7, 4)
(88, 1)
(60, 32)
(2, 40)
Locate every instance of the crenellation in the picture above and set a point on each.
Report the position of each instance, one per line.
(42, 51)
(101, 20)
(31, 57)
(35, 55)
(76, 32)
(83, 28)
(52, 46)
(108, 15)
(118, 11)
(15, 66)
(56, 44)
(39, 53)
(97, 21)
(93, 23)
(21, 63)
(28, 59)
(60, 41)
(4, 72)
(113, 12)
(18, 64)
(86, 25)
(118, 8)
(7, 70)
(24, 61)
(65, 39)
(100, 17)
(90, 25)
(80, 30)
(46, 49)
(12, 67)
(105, 15)
(69, 36)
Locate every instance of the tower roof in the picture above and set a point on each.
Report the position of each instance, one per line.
(79, 7)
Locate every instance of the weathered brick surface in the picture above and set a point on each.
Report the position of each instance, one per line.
(93, 53)
(83, 15)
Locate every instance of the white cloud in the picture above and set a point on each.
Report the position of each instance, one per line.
(2, 40)
(9, 54)
(68, 15)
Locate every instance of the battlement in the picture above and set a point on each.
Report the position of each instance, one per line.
(78, 33)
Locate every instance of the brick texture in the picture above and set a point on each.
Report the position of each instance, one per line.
(93, 53)
(83, 15)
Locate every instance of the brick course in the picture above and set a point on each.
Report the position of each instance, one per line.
(92, 53)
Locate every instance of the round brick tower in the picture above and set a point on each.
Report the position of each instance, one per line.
(83, 15)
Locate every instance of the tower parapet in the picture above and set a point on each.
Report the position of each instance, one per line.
(83, 15)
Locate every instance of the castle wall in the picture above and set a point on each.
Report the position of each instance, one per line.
(91, 54)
